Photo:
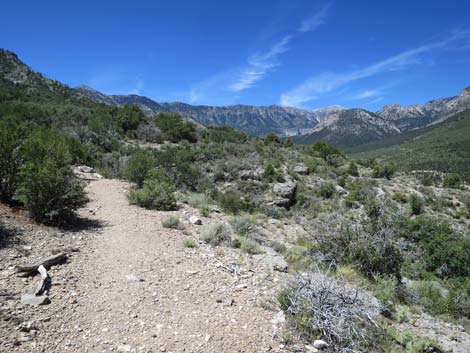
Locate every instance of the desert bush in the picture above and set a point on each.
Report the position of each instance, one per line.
(416, 204)
(225, 134)
(270, 173)
(172, 222)
(326, 191)
(320, 306)
(174, 129)
(272, 139)
(352, 169)
(215, 233)
(231, 201)
(249, 246)
(139, 166)
(189, 243)
(445, 251)
(384, 170)
(47, 186)
(10, 159)
(244, 227)
(368, 244)
(154, 195)
(324, 150)
(453, 181)
(129, 117)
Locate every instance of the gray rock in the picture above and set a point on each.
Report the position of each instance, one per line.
(340, 190)
(301, 169)
(284, 192)
(31, 299)
(195, 220)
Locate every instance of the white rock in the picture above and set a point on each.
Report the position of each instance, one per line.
(31, 299)
(320, 344)
(195, 220)
(134, 278)
(124, 348)
(279, 318)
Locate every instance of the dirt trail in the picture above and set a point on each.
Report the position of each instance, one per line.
(141, 290)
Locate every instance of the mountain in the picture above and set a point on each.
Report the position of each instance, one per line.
(415, 116)
(348, 128)
(15, 74)
(256, 120)
(443, 146)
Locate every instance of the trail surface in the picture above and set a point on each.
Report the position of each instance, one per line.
(136, 288)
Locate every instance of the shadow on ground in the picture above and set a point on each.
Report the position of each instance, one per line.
(9, 236)
(81, 224)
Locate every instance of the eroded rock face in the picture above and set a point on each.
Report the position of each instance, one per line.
(283, 193)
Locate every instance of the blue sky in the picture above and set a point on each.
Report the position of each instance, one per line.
(307, 54)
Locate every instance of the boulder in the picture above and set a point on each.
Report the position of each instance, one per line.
(284, 193)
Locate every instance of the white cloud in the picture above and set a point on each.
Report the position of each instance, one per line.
(259, 65)
(327, 82)
(367, 94)
(314, 21)
(225, 87)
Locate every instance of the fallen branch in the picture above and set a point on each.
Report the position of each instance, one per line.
(30, 270)
(45, 282)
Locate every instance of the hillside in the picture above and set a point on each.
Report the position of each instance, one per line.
(157, 234)
(444, 146)
(349, 128)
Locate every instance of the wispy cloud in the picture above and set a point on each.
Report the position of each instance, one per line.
(259, 65)
(314, 21)
(117, 81)
(368, 93)
(327, 82)
(227, 86)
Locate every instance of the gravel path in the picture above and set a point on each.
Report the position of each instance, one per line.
(135, 288)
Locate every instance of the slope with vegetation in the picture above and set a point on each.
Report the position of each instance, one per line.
(371, 250)
(444, 147)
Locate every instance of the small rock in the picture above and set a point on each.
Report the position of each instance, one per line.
(320, 344)
(134, 278)
(124, 348)
(27, 326)
(279, 318)
(310, 349)
(31, 299)
(195, 220)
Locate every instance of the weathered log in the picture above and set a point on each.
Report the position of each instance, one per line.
(45, 282)
(29, 270)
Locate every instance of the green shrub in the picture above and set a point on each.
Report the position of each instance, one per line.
(172, 222)
(129, 117)
(352, 169)
(215, 233)
(139, 167)
(10, 159)
(249, 246)
(445, 251)
(154, 195)
(326, 191)
(189, 243)
(231, 201)
(243, 227)
(416, 204)
(174, 129)
(453, 181)
(324, 150)
(225, 134)
(385, 170)
(341, 181)
(270, 173)
(272, 139)
(47, 186)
